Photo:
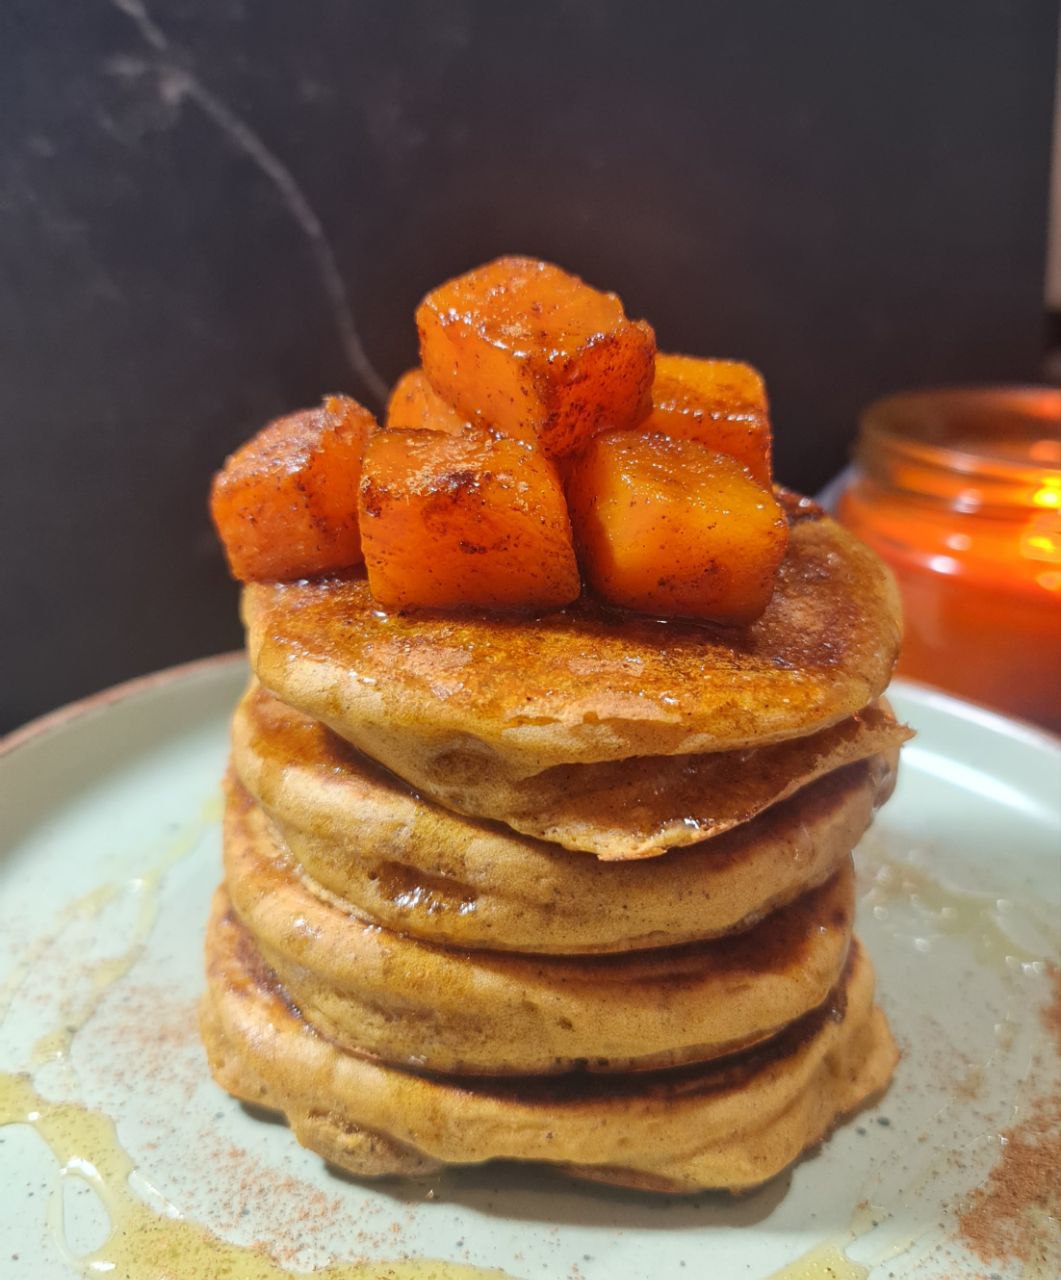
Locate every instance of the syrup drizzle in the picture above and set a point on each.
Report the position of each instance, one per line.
(143, 1242)
(918, 908)
(826, 1262)
(936, 910)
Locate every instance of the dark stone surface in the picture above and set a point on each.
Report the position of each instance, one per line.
(200, 209)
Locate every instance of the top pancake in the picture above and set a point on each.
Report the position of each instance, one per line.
(586, 683)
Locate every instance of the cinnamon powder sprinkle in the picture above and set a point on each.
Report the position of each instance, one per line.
(1008, 1218)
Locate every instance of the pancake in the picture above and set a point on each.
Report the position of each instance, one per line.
(616, 810)
(583, 684)
(416, 1004)
(733, 1125)
(647, 805)
(421, 870)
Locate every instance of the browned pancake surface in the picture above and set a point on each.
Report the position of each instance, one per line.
(420, 869)
(585, 683)
(414, 1003)
(732, 1125)
(617, 810)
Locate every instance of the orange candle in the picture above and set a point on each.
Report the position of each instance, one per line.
(960, 492)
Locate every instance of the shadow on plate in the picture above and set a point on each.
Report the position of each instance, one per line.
(510, 1190)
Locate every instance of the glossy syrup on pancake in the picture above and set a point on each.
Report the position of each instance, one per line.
(617, 810)
(415, 1003)
(422, 870)
(648, 805)
(733, 1126)
(585, 683)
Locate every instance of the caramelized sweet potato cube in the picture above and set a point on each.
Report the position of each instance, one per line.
(721, 403)
(415, 405)
(474, 519)
(535, 353)
(285, 503)
(672, 528)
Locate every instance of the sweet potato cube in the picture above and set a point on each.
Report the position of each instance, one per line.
(474, 519)
(415, 405)
(535, 353)
(285, 503)
(670, 527)
(721, 403)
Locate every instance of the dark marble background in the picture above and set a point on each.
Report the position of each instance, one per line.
(212, 211)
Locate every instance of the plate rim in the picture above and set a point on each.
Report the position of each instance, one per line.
(50, 721)
(961, 708)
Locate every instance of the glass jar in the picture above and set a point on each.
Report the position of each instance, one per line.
(960, 492)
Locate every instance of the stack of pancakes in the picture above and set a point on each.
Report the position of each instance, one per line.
(447, 933)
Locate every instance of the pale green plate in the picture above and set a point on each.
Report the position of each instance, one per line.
(110, 818)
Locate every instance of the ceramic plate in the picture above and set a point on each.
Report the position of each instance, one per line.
(120, 1156)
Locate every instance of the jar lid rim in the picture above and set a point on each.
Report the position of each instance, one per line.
(967, 428)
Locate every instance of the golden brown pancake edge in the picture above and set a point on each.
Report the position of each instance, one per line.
(732, 1126)
(584, 684)
(418, 1004)
(421, 870)
(616, 810)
